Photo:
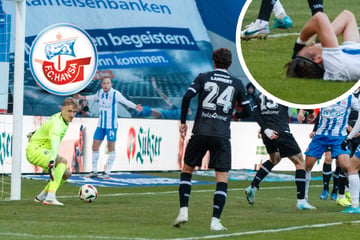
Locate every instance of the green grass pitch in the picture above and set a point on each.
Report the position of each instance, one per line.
(148, 212)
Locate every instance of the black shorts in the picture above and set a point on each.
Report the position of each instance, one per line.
(219, 148)
(286, 145)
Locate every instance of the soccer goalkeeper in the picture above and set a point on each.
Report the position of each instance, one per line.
(42, 150)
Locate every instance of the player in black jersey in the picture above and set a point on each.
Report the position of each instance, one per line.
(217, 92)
(273, 119)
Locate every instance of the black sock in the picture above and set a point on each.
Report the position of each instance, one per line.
(266, 8)
(316, 6)
(184, 189)
(219, 198)
(300, 183)
(264, 170)
(342, 182)
(326, 174)
(336, 180)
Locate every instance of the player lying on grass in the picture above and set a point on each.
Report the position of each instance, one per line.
(327, 59)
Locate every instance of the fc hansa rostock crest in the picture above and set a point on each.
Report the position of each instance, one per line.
(63, 59)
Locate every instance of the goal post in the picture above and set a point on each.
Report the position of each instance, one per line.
(15, 192)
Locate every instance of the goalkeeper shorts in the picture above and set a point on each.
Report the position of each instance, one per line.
(38, 156)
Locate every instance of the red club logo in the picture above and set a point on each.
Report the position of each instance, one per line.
(63, 59)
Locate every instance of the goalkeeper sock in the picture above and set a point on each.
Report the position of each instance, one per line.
(326, 174)
(46, 189)
(110, 162)
(184, 189)
(58, 174)
(262, 173)
(95, 158)
(219, 199)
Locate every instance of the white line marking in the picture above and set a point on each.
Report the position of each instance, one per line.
(319, 225)
(279, 35)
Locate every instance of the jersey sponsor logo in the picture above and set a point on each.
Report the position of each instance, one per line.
(145, 143)
(6, 140)
(214, 116)
(63, 59)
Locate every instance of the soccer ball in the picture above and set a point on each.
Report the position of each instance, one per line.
(88, 193)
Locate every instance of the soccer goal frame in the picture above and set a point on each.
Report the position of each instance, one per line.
(15, 192)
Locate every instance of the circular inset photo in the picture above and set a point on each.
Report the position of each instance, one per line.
(301, 53)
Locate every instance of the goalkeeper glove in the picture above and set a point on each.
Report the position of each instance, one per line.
(344, 144)
(51, 166)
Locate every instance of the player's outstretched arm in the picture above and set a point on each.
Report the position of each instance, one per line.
(139, 108)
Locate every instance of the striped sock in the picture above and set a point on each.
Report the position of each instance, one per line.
(262, 173)
(300, 183)
(219, 199)
(185, 189)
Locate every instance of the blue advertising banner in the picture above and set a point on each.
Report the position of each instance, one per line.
(152, 50)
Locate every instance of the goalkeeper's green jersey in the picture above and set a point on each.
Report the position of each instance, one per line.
(50, 134)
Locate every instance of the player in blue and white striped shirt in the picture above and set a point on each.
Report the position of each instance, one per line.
(107, 125)
(331, 132)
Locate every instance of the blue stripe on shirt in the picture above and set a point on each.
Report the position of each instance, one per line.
(113, 111)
